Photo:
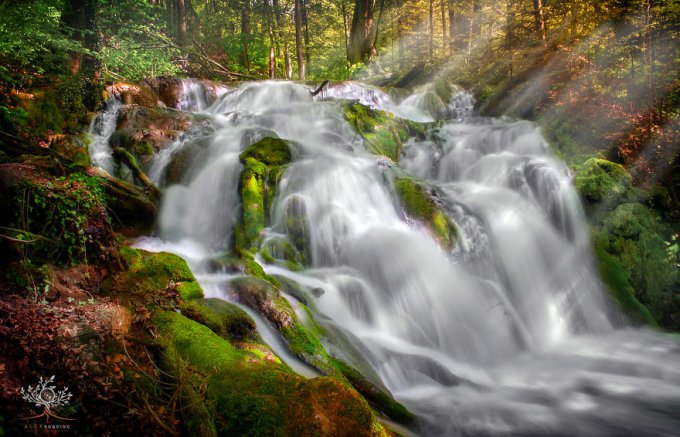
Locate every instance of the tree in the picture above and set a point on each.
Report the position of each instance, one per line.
(298, 40)
(361, 32)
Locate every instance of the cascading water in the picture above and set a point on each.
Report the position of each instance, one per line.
(101, 129)
(507, 333)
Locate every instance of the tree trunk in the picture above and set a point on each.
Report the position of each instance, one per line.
(539, 22)
(452, 27)
(360, 46)
(345, 22)
(181, 23)
(245, 34)
(431, 28)
(80, 21)
(305, 25)
(443, 6)
(298, 39)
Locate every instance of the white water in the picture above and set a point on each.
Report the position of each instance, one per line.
(101, 129)
(508, 334)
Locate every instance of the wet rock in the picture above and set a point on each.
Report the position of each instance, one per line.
(133, 94)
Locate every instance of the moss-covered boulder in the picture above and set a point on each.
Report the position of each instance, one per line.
(148, 272)
(264, 298)
(279, 251)
(383, 133)
(633, 245)
(296, 225)
(248, 396)
(418, 202)
(269, 151)
(74, 148)
(223, 318)
(599, 180)
(142, 143)
(262, 169)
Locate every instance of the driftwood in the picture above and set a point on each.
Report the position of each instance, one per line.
(129, 160)
(321, 87)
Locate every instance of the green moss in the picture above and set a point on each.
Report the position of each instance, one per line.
(264, 298)
(420, 205)
(381, 399)
(68, 213)
(190, 290)
(149, 272)
(252, 196)
(296, 224)
(616, 278)
(249, 396)
(223, 318)
(269, 151)
(382, 132)
(281, 252)
(598, 180)
(263, 166)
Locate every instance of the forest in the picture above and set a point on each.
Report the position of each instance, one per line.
(349, 217)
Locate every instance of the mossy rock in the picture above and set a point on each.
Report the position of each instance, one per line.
(383, 133)
(419, 204)
(637, 244)
(223, 318)
(264, 298)
(144, 118)
(182, 159)
(598, 180)
(250, 396)
(241, 262)
(270, 151)
(434, 105)
(381, 399)
(263, 165)
(616, 278)
(281, 252)
(296, 225)
(74, 148)
(254, 214)
(148, 272)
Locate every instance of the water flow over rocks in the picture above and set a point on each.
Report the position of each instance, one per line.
(504, 331)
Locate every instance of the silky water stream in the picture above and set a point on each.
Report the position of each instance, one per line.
(508, 333)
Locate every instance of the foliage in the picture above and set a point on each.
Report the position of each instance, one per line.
(67, 213)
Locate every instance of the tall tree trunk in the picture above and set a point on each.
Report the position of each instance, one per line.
(444, 36)
(509, 32)
(539, 22)
(181, 23)
(298, 39)
(360, 46)
(431, 28)
(345, 22)
(272, 41)
(650, 46)
(245, 34)
(474, 27)
(79, 19)
(170, 17)
(401, 46)
(452, 26)
(305, 25)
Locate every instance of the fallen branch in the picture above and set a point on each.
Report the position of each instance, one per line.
(129, 160)
(321, 87)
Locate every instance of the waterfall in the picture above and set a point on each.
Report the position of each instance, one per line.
(507, 332)
(101, 129)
